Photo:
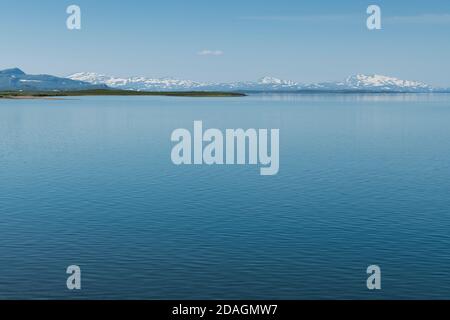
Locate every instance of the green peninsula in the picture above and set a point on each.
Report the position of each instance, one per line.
(113, 92)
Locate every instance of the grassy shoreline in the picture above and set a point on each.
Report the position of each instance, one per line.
(110, 92)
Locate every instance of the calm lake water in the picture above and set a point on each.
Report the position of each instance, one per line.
(364, 179)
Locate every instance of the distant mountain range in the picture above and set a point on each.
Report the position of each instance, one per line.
(17, 80)
(356, 83)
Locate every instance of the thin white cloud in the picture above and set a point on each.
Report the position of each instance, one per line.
(210, 53)
(428, 18)
(305, 18)
(421, 19)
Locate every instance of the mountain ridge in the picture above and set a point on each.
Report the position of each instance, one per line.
(359, 82)
(15, 79)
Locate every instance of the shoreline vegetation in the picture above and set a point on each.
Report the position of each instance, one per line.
(112, 92)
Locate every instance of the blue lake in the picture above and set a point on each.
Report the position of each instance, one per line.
(364, 179)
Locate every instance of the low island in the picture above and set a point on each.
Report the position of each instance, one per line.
(112, 92)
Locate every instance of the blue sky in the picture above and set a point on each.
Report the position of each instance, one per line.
(305, 41)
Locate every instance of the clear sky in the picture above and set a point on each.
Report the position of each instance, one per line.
(305, 41)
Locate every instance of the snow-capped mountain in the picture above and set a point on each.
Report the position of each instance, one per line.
(264, 84)
(380, 82)
(167, 84)
(360, 82)
(276, 81)
(372, 83)
(17, 80)
(137, 83)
